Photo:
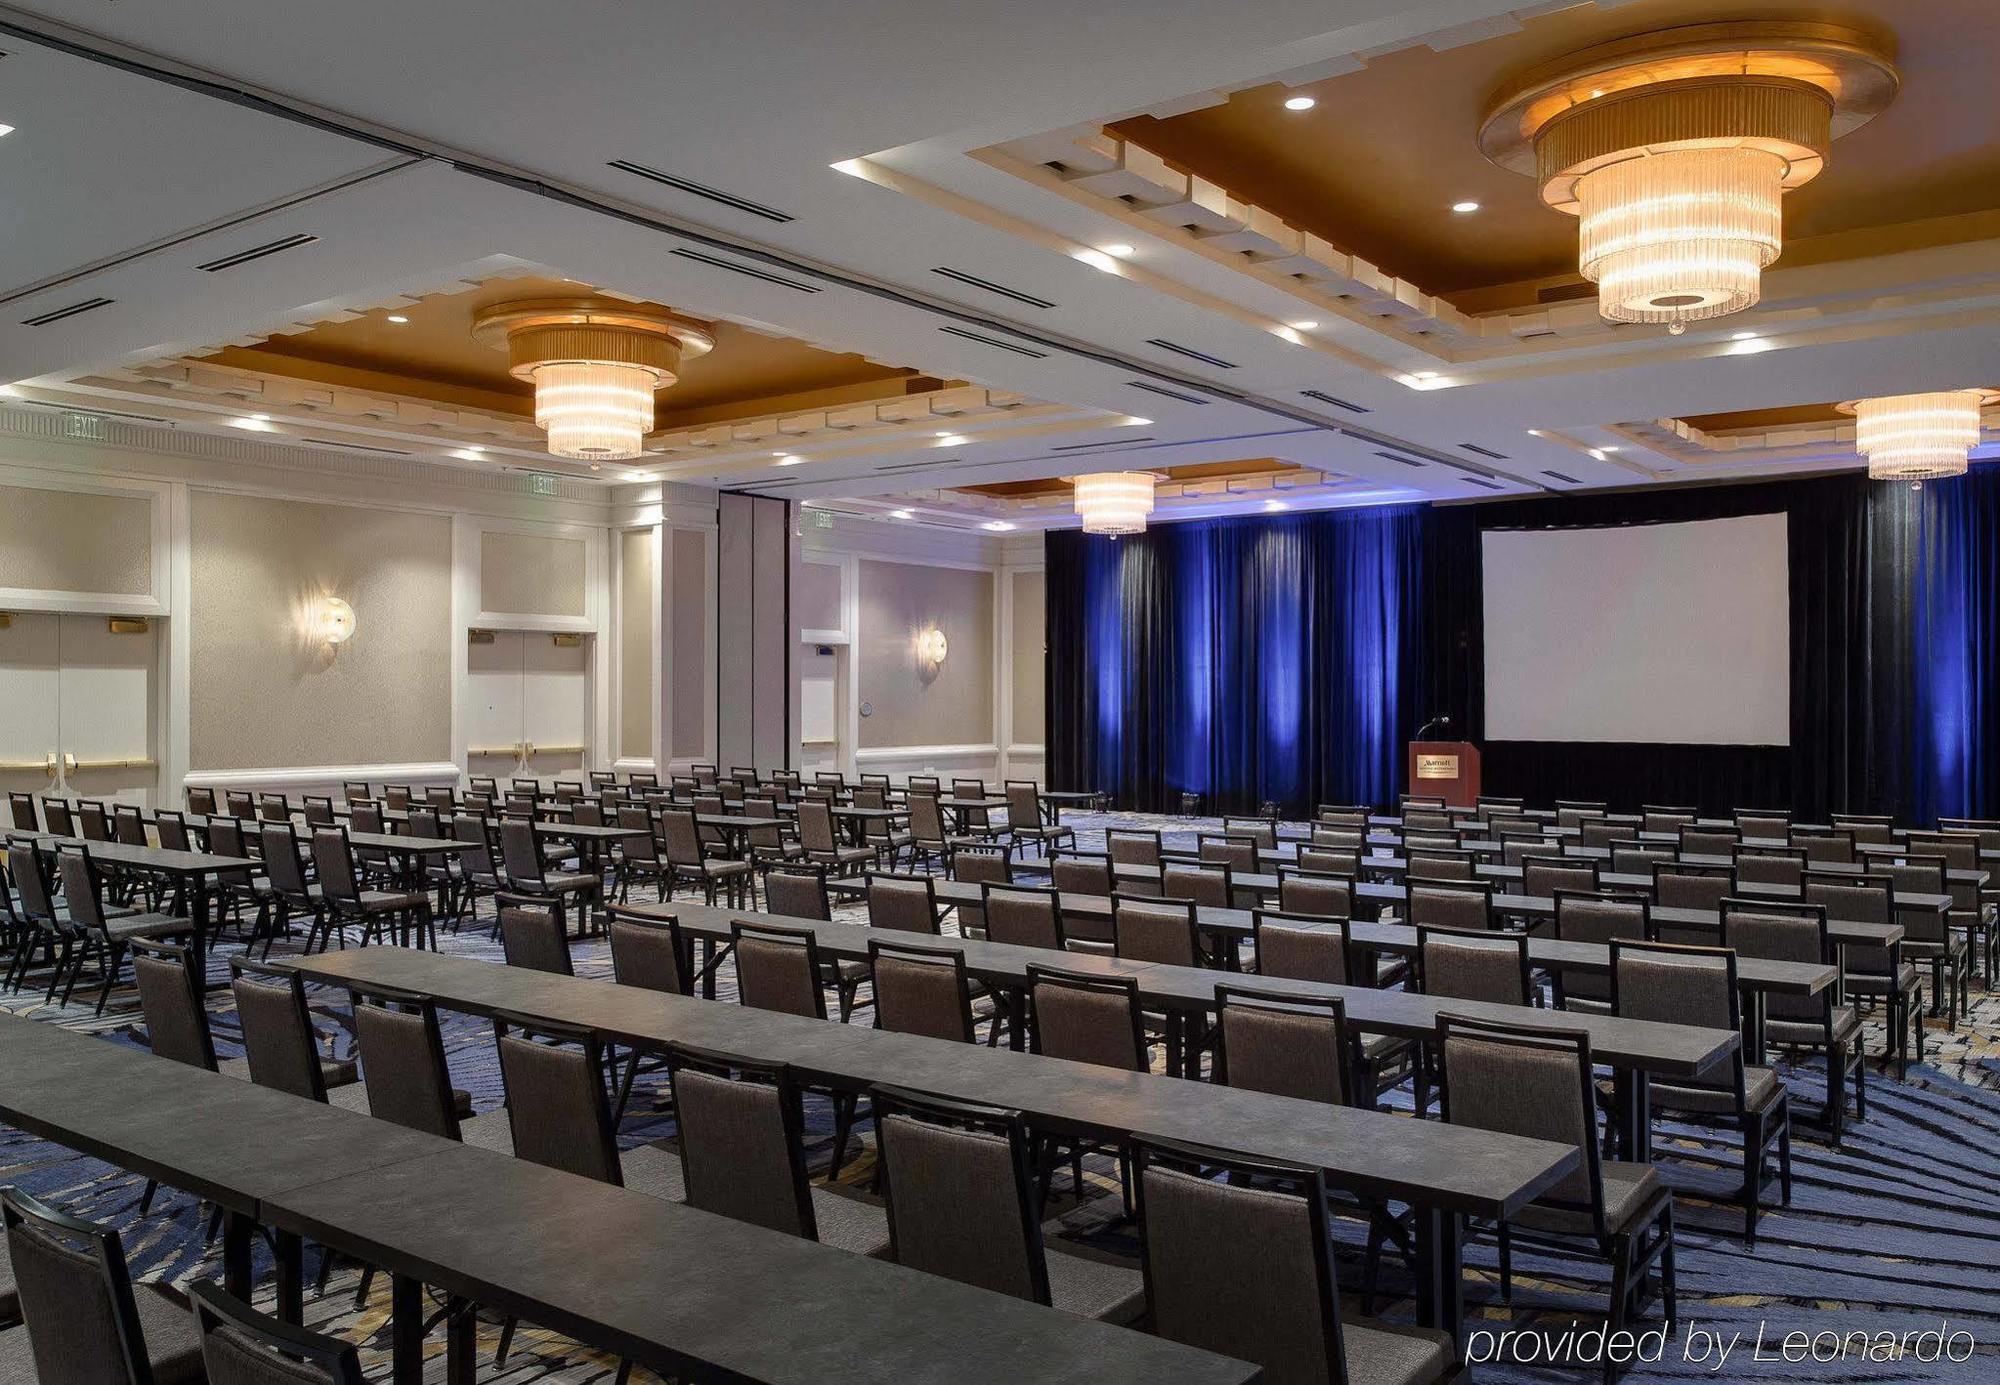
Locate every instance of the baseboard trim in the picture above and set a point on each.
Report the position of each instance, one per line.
(425, 771)
(926, 752)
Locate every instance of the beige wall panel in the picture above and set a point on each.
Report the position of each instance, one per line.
(75, 541)
(688, 669)
(262, 693)
(914, 703)
(816, 597)
(1029, 638)
(636, 581)
(531, 574)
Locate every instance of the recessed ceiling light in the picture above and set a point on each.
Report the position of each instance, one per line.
(256, 423)
(475, 447)
(1274, 505)
(6, 130)
(1612, 447)
(998, 526)
(1534, 432)
(1117, 250)
(1134, 421)
(901, 514)
(1306, 326)
(398, 319)
(950, 440)
(1463, 207)
(1299, 103)
(468, 454)
(1743, 336)
(1597, 454)
(642, 476)
(783, 460)
(1425, 374)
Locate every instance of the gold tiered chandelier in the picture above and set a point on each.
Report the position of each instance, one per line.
(1918, 437)
(1114, 502)
(595, 364)
(1674, 151)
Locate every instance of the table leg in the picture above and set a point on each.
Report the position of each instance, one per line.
(291, 1277)
(237, 1230)
(1636, 1114)
(1017, 1025)
(406, 1308)
(461, 1351)
(1753, 1029)
(1441, 1274)
(200, 924)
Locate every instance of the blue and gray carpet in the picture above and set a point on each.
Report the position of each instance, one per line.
(1895, 1232)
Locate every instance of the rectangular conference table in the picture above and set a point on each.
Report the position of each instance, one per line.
(681, 1291)
(186, 868)
(1445, 1172)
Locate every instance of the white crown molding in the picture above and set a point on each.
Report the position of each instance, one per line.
(869, 755)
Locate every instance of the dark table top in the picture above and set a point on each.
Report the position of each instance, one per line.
(692, 1294)
(153, 858)
(1473, 1171)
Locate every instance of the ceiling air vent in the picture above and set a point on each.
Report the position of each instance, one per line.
(358, 447)
(257, 252)
(1014, 347)
(1562, 476)
(1483, 482)
(58, 314)
(1399, 457)
(975, 281)
(1190, 353)
(1323, 397)
(716, 195)
(750, 271)
(1484, 451)
(92, 413)
(1162, 389)
(1107, 442)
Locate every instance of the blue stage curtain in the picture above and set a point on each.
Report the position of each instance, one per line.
(1949, 555)
(1245, 660)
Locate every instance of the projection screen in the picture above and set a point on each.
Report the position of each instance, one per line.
(1673, 634)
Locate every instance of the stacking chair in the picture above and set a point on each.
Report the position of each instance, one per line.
(1677, 984)
(271, 807)
(823, 846)
(43, 925)
(639, 856)
(1593, 832)
(94, 820)
(1574, 812)
(1883, 974)
(559, 1113)
(1928, 937)
(1543, 876)
(1028, 823)
(1244, 1267)
(56, 813)
(404, 1074)
(1314, 892)
(778, 969)
(1440, 863)
(979, 865)
(105, 937)
(1164, 931)
(1867, 829)
(241, 885)
(1803, 1024)
(1457, 904)
(1204, 886)
(1326, 858)
(280, 1046)
(768, 844)
(906, 903)
(1831, 846)
(740, 1140)
(1709, 841)
(1688, 885)
(1768, 824)
(1654, 817)
(1022, 915)
(170, 1002)
(1132, 846)
(240, 804)
(528, 873)
(1768, 866)
(26, 819)
(1630, 859)
(290, 891)
(1538, 1083)
(882, 834)
(1350, 815)
(242, 1346)
(1474, 964)
(532, 935)
(921, 991)
(1428, 820)
(377, 911)
(1973, 910)
(1084, 1017)
(957, 1186)
(1076, 873)
(1592, 916)
(86, 1321)
(1517, 849)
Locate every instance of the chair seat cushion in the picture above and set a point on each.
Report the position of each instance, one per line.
(1880, 983)
(850, 1224)
(10, 1294)
(1627, 1190)
(844, 855)
(147, 926)
(391, 901)
(1760, 1091)
(490, 1131)
(1846, 1025)
(1395, 1356)
(1925, 951)
(564, 882)
(1092, 1288)
(655, 1172)
(173, 1343)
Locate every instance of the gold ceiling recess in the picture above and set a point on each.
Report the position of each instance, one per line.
(1674, 150)
(1918, 437)
(595, 364)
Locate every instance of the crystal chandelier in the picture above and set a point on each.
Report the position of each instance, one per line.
(594, 365)
(1918, 437)
(1674, 151)
(1115, 502)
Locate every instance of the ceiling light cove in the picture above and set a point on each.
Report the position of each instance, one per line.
(784, 460)
(594, 364)
(1465, 208)
(1300, 103)
(1674, 154)
(997, 526)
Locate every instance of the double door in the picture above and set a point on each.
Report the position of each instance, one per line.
(529, 712)
(78, 714)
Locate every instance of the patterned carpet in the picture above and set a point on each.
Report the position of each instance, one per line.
(1897, 1231)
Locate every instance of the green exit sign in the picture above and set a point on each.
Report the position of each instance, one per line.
(822, 519)
(541, 484)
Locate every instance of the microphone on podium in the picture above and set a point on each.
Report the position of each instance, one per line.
(1423, 732)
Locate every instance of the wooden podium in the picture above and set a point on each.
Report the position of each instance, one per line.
(1445, 769)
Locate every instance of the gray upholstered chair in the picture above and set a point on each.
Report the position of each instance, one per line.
(1975, 910)
(1315, 892)
(823, 845)
(649, 953)
(1466, 904)
(1677, 984)
(1868, 829)
(1759, 865)
(1765, 824)
(1884, 975)
(280, 1046)
(1027, 823)
(778, 969)
(86, 1322)
(1439, 863)
(1829, 847)
(1084, 1017)
(1023, 916)
(532, 933)
(1930, 938)
(686, 859)
(1630, 859)
(1132, 846)
(1592, 916)
(1696, 840)
(798, 891)
(1688, 885)
(1803, 1024)
(1329, 858)
(377, 911)
(170, 1001)
(1542, 876)
(741, 1156)
(403, 1068)
(1474, 964)
(1657, 817)
(979, 865)
(1599, 833)
(957, 1187)
(1236, 851)
(290, 892)
(921, 990)
(1243, 1266)
(1518, 848)
(1090, 875)
(1574, 812)
(1538, 1083)
(1204, 886)
(639, 856)
(905, 903)
(1164, 931)
(242, 1346)
(105, 937)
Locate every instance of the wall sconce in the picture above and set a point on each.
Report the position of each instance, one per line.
(334, 620)
(931, 647)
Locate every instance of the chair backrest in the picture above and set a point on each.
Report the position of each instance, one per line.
(1542, 876)
(921, 991)
(240, 803)
(1709, 841)
(1022, 916)
(25, 816)
(1428, 820)
(318, 809)
(1284, 1045)
(906, 903)
(333, 861)
(127, 825)
(1024, 803)
(242, 1346)
(957, 1187)
(1329, 860)
(398, 796)
(475, 858)
(402, 1062)
(557, 1108)
(1132, 846)
(1985, 829)
(278, 1037)
(1439, 864)
(61, 823)
(1241, 1266)
(1531, 1082)
(532, 934)
(76, 1296)
(424, 822)
(1087, 1018)
(1570, 812)
(95, 820)
(280, 841)
(1301, 949)
(1831, 847)
(1204, 886)
(1475, 965)
(778, 969)
(1769, 866)
(1867, 898)
(1459, 904)
(272, 806)
(1684, 885)
(520, 854)
(1599, 833)
(1959, 849)
(1238, 853)
(1072, 873)
(1518, 849)
(797, 892)
(28, 868)
(1782, 933)
(170, 1000)
(1869, 828)
(1767, 823)
(1676, 983)
(1654, 817)
(926, 818)
(1596, 916)
(739, 1140)
(1155, 930)
(82, 885)
(1639, 860)
(648, 952)
(201, 801)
